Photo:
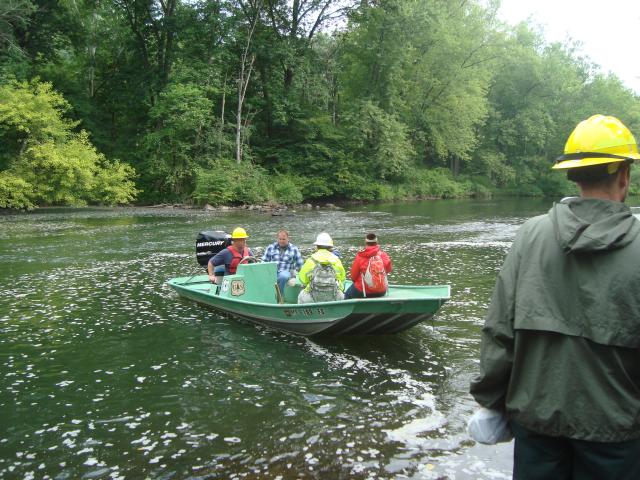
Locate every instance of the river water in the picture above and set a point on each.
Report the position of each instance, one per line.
(106, 373)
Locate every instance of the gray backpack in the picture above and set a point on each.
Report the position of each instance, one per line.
(323, 286)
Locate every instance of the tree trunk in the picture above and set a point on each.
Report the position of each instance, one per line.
(288, 80)
(224, 101)
(238, 127)
(454, 163)
(334, 100)
(267, 98)
(243, 83)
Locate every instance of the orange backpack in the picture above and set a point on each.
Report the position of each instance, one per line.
(374, 277)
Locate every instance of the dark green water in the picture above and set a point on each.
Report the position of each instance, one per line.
(105, 373)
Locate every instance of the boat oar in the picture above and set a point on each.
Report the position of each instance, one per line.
(279, 293)
(186, 282)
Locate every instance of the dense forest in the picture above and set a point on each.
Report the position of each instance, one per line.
(248, 101)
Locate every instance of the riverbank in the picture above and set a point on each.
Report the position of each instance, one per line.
(273, 208)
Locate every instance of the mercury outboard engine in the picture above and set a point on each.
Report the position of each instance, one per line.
(209, 243)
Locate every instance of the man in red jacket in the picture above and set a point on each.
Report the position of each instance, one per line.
(369, 271)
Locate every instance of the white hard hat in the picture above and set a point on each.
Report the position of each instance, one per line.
(324, 240)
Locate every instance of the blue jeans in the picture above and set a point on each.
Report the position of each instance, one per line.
(283, 277)
(353, 292)
(219, 273)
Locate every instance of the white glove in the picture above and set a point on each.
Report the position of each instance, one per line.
(489, 427)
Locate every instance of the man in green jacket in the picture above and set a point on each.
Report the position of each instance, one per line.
(560, 351)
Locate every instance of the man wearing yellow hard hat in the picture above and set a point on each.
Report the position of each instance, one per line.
(560, 355)
(226, 261)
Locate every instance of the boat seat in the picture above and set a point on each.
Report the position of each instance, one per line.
(290, 294)
(259, 279)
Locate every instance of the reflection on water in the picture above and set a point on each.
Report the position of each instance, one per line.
(106, 373)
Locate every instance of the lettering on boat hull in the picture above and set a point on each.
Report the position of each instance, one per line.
(304, 312)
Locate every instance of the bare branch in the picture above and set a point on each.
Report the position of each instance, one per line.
(319, 20)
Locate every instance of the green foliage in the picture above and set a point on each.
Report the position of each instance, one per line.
(31, 113)
(439, 183)
(114, 183)
(227, 183)
(45, 162)
(286, 190)
(410, 99)
(381, 140)
(15, 192)
(182, 137)
(356, 186)
(555, 184)
(525, 190)
(61, 173)
(74, 173)
(428, 64)
(14, 15)
(311, 146)
(494, 166)
(316, 187)
(634, 188)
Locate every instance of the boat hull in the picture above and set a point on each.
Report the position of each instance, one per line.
(402, 308)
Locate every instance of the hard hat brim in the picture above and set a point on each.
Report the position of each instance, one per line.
(587, 162)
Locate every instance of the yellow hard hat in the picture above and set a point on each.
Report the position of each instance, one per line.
(597, 140)
(239, 233)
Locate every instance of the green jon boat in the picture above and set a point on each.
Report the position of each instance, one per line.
(252, 293)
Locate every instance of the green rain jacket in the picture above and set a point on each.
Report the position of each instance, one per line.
(561, 343)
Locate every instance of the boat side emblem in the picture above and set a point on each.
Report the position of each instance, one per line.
(237, 288)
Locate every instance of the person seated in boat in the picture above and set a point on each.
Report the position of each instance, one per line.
(322, 275)
(369, 271)
(226, 261)
(286, 255)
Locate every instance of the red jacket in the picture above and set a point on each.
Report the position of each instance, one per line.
(360, 263)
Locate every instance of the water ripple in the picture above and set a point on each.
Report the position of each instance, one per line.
(106, 373)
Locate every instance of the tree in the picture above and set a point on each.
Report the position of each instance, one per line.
(374, 108)
(244, 76)
(534, 106)
(296, 23)
(45, 162)
(153, 24)
(183, 140)
(428, 63)
(382, 141)
(14, 15)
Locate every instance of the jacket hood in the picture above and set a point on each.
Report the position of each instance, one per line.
(591, 225)
(322, 255)
(370, 251)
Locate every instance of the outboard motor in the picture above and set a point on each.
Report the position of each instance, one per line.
(209, 243)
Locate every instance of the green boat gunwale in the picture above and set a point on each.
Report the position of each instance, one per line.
(401, 308)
